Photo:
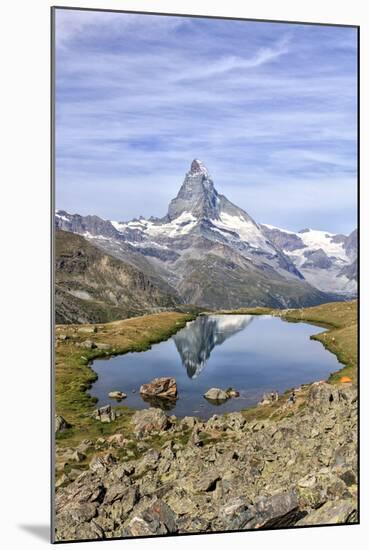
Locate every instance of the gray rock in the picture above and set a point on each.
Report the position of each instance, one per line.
(269, 398)
(216, 395)
(104, 414)
(87, 330)
(236, 513)
(78, 456)
(332, 512)
(127, 501)
(101, 346)
(322, 395)
(102, 463)
(119, 395)
(156, 519)
(279, 510)
(149, 420)
(61, 424)
(271, 473)
(86, 344)
(189, 422)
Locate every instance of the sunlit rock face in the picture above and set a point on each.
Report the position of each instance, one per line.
(196, 341)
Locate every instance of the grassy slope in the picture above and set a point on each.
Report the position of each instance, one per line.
(341, 320)
(73, 375)
(341, 338)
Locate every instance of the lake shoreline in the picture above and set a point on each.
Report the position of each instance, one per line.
(76, 334)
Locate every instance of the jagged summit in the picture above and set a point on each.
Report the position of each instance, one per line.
(211, 252)
(196, 195)
(197, 166)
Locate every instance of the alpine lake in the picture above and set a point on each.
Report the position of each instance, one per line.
(253, 354)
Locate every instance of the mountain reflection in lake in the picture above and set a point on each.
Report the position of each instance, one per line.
(253, 354)
(197, 340)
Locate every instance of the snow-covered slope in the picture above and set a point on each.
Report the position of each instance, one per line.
(327, 260)
(200, 211)
(210, 251)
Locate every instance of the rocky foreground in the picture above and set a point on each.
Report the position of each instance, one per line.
(225, 474)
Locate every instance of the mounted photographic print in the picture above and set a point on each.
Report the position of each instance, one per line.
(205, 252)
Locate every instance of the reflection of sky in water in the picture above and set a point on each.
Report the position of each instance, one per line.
(251, 354)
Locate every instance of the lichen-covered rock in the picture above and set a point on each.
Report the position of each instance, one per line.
(332, 512)
(102, 463)
(322, 395)
(150, 420)
(279, 510)
(156, 519)
(104, 414)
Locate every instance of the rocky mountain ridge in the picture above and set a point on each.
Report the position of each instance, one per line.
(202, 233)
(327, 261)
(92, 286)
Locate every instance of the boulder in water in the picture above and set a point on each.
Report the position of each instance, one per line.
(216, 395)
(119, 395)
(160, 387)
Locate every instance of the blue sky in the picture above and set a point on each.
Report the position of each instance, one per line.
(270, 108)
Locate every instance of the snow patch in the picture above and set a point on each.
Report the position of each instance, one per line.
(322, 239)
(61, 217)
(246, 230)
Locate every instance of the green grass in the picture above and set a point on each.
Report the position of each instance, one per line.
(341, 319)
(74, 375)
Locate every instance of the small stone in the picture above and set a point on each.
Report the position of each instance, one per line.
(105, 347)
(61, 424)
(119, 395)
(104, 414)
(77, 456)
(269, 398)
(87, 330)
(216, 395)
(87, 344)
(307, 482)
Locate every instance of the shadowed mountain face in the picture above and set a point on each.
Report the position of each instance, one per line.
(93, 287)
(197, 340)
(204, 234)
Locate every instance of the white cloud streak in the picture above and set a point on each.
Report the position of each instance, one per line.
(271, 114)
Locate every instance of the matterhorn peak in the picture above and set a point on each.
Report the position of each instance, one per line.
(198, 167)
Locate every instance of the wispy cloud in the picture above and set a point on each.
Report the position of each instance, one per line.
(270, 108)
(233, 63)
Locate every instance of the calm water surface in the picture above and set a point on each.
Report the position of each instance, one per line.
(253, 354)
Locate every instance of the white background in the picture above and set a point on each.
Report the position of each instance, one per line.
(25, 265)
